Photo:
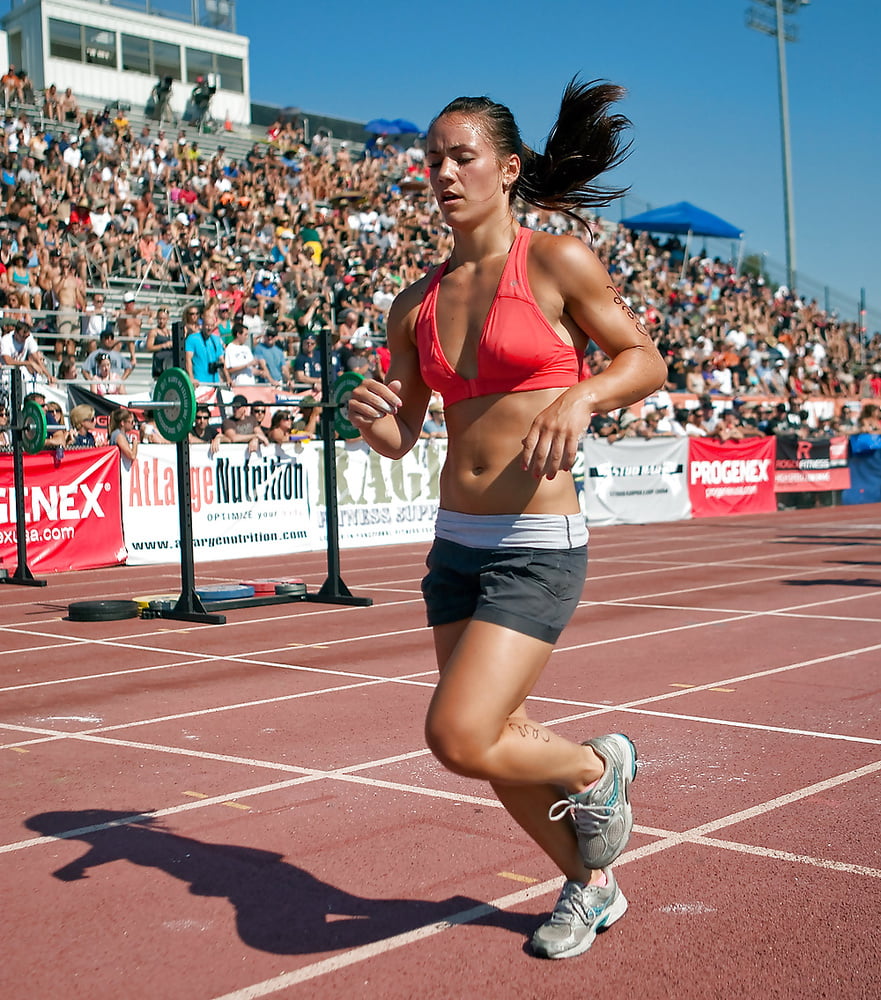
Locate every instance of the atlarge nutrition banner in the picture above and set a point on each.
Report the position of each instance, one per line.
(731, 477)
(72, 510)
(242, 503)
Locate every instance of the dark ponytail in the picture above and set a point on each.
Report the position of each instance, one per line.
(584, 143)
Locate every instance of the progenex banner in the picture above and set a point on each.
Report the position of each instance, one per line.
(731, 477)
(72, 510)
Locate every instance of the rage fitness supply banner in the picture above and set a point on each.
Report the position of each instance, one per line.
(804, 465)
(635, 482)
(734, 477)
(72, 510)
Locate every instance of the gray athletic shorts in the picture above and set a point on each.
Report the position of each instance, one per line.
(529, 589)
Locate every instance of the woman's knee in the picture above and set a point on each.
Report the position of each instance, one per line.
(458, 748)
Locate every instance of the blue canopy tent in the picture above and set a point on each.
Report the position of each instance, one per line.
(686, 219)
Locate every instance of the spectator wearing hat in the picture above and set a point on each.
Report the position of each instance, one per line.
(252, 319)
(307, 365)
(243, 426)
(435, 425)
(107, 345)
(128, 324)
(271, 353)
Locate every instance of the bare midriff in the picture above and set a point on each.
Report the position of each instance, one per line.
(484, 474)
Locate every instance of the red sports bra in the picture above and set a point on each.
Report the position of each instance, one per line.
(519, 350)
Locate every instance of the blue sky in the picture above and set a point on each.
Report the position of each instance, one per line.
(702, 96)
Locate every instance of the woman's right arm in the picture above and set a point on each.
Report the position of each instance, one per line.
(390, 415)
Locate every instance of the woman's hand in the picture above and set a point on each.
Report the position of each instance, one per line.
(552, 444)
(371, 401)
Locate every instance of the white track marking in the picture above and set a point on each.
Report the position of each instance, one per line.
(356, 955)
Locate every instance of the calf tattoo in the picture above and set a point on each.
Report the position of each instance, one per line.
(529, 731)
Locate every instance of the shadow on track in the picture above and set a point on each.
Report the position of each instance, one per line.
(279, 907)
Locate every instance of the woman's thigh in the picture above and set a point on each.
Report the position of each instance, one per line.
(487, 672)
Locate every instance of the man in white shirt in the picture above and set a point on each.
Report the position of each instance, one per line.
(241, 365)
(19, 349)
(72, 156)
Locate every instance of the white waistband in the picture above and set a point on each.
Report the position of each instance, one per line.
(522, 531)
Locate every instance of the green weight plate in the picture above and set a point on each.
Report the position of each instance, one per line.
(342, 390)
(33, 427)
(174, 422)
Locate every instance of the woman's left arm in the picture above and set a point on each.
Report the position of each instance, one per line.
(570, 276)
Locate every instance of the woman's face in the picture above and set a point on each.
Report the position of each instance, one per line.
(464, 170)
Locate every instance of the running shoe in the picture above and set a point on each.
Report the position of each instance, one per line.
(581, 912)
(602, 815)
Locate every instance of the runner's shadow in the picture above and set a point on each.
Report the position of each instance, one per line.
(279, 907)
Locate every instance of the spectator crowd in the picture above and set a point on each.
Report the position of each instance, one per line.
(259, 256)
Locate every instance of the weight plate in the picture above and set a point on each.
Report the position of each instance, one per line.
(342, 390)
(224, 592)
(146, 602)
(272, 586)
(102, 611)
(33, 427)
(174, 422)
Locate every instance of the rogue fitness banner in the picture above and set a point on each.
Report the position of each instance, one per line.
(734, 477)
(636, 482)
(810, 464)
(72, 510)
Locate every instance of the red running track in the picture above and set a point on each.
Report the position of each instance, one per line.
(246, 810)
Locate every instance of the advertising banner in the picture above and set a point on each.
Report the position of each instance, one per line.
(382, 501)
(731, 477)
(865, 470)
(72, 510)
(272, 501)
(633, 481)
(808, 464)
(242, 503)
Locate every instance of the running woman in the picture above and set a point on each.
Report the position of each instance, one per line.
(500, 330)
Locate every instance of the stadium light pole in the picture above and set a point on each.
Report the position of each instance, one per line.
(761, 21)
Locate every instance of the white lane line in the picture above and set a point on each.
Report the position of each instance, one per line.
(800, 859)
(356, 955)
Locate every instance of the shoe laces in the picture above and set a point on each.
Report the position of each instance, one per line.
(588, 817)
(572, 904)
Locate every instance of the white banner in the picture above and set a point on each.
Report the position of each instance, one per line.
(381, 501)
(272, 502)
(634, 481)
(258, 504)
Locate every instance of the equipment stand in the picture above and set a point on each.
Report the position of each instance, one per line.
(22, 576)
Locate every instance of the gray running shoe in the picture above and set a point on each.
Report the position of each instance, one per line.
(581, 912)
(602, 815)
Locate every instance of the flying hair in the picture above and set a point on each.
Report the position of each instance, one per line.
(585, 142)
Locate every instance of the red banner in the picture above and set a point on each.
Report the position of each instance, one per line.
(734, 477)
(72, 510)
(807, 464)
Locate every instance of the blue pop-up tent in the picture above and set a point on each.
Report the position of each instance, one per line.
(686, 219)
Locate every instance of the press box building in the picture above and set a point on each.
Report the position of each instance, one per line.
(116, 52)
